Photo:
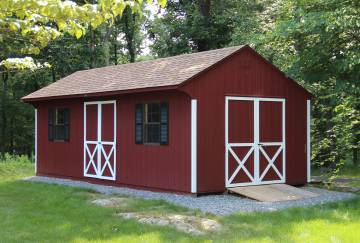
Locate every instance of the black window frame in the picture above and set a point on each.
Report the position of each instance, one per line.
(152, 123)
(59, 124)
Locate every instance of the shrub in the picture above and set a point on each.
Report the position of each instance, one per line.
(13, 158)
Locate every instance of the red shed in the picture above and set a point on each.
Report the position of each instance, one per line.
(194, 123)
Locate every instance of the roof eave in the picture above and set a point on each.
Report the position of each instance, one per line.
(99, 94)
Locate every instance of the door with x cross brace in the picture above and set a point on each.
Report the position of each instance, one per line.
(100, 139)
(254, 141)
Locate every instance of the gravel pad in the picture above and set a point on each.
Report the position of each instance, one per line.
(215, 204)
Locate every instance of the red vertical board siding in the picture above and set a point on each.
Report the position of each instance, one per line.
(164, 167)
(270, 121)
(155, 166)
(241, 121)
(244, 74)
(91, 122)
(107, 128)
(167, 167)
(56, 157)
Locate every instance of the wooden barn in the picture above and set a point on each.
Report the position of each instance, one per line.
(194, 123)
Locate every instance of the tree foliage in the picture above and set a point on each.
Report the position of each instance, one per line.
(318, 43)
(193, 25)
(40, 43)
(315, 42)
(31, 25)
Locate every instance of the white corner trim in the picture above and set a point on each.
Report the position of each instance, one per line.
(193, 146)
(35, 137)
(308, 145)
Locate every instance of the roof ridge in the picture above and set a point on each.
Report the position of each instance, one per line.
(165, 58)
(156, 73)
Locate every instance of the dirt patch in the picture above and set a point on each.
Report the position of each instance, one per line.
(188, 224)
(342, 187)
(110, 202)
(340, 183)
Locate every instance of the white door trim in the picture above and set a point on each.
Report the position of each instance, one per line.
(256, 146)
(99, 143)
(193, 145)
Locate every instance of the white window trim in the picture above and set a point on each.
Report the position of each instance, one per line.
(193, 145)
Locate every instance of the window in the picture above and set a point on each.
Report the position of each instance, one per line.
(151, 123)
(58, 124)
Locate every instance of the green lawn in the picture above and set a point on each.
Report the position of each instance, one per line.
(37, 212)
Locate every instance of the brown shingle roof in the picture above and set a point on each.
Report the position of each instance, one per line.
(170, 71)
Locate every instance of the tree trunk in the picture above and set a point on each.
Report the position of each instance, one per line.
(115, 54)
(5, 77)
(204, 6)
(129, 18)
(115, 35)
(355, 150)
(53, 74)
(92, 48)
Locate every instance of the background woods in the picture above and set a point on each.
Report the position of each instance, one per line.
(315, 42)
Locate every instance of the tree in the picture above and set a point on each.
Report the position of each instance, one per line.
(32, 24)
(38, 34)
(127, 35)
(192, 25)
(318, 44)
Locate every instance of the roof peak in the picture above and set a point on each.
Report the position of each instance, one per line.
(157, 73)
(238, 47)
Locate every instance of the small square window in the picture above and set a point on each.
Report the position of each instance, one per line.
(58, 124)
(151, 123)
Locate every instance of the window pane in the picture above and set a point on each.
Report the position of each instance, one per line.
(60, 132)
(60, 129)
(153, 133)
(153, 112)
(60, 118)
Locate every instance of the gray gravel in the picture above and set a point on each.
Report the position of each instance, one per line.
(215, 204)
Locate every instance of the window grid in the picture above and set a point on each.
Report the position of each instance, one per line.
(152, 123)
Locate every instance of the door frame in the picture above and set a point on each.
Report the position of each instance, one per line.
(99, 142)
(256, 143)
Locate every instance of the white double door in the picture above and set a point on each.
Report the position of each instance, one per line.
(254, 141)
(100, 139)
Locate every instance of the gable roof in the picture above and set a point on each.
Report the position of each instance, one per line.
(158, 73)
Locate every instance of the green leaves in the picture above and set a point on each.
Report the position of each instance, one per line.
(38, 22)
(118, 9)
(318, 43)
(23, 63)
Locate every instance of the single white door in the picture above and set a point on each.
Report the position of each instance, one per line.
(100, 139)
(254, 141)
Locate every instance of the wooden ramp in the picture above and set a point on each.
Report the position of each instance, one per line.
(272, 193)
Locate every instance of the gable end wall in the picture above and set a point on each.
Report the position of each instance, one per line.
(244, 74)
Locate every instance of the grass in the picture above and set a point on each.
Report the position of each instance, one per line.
(348, 171)
(351, 172)
(37, 212)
